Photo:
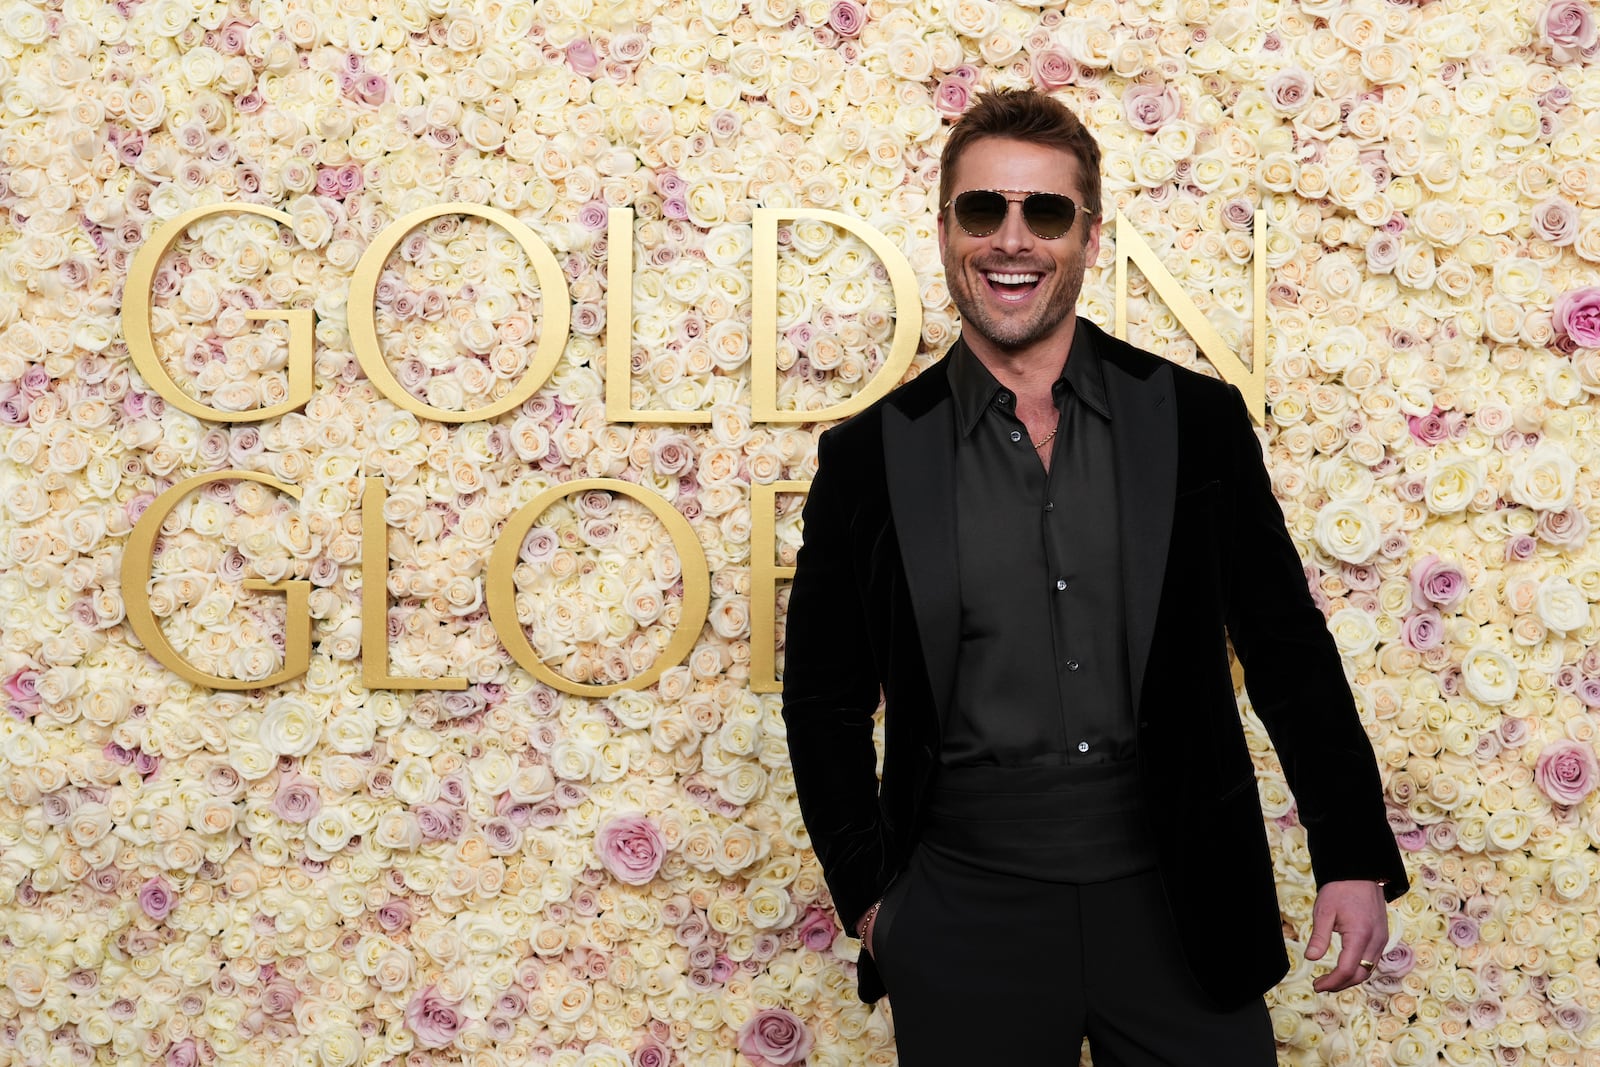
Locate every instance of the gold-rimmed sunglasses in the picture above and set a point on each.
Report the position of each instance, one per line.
(980, 212)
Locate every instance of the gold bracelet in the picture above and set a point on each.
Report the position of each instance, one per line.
(866, 920)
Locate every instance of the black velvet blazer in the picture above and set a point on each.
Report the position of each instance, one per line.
(874, 609)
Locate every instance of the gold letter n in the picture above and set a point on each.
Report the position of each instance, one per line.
(1251, 380)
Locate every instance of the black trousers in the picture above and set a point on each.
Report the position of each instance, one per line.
(992, 968)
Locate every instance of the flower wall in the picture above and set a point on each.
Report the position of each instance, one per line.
(319, 872)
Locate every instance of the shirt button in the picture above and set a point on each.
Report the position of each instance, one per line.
(1004, 397)
(1072, 664)
(1083, 746)
(1016, 435)
(1049, 505)
(1061, 583)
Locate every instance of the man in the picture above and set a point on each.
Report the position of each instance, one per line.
(1037, 551)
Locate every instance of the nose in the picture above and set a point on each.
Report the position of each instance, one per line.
(1013, 236)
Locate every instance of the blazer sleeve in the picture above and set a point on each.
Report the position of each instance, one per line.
(1296, 681)
(831, 690)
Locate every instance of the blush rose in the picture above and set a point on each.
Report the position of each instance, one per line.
(631, 848)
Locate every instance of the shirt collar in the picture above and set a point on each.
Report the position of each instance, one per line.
(973, 388)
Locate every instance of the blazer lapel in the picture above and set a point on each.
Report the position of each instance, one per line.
(919, 462)
(1144, 423)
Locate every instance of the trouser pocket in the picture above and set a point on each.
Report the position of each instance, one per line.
(888, 911)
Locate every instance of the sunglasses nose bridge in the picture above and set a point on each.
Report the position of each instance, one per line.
(1014, 231)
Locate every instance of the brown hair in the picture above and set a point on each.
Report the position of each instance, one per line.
(1025, 115)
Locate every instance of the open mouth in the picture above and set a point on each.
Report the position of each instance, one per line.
(1012, 285)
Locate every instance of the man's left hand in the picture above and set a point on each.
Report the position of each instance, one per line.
(1355, 911)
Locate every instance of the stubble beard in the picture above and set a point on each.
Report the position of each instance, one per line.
(1008, 332)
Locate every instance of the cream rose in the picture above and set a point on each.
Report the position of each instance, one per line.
(1490, 675)
(1546, 479)
(1346, 530)
(1562, 605)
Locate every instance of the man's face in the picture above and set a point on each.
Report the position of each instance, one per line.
(1014, 289)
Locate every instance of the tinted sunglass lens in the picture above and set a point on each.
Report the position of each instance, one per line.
(980, 211)
(1048, 215)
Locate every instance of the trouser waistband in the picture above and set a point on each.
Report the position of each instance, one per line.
(1084, 823)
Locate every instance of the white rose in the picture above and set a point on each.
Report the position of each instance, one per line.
(289, 727)
(1354, 631)
(770, 907)
(1562, 605)
(1490, 675)
(1347, 531)
(1545, 480)
(352, 730)
(311, 223)
(1451, 487)
(414, 781)
(973, 19)
(1338, 347)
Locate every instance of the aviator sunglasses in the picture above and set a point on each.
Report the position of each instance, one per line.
(980, 212)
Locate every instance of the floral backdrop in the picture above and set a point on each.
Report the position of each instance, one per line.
(315, 872)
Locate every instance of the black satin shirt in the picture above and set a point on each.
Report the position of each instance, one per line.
(1041, 670)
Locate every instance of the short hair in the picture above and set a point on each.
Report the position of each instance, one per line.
(1025, 115)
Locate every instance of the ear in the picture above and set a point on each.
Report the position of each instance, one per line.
(1091, 247)
(941, 224)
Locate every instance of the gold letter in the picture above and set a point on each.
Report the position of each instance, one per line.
(1252, 380)
(765, 574)
(363, 316)
(375, 600)
(503, 591)
(138, 332)
(619, 328)
(139, 556)
(907, 326)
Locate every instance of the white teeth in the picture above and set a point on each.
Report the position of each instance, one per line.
(1012, 279)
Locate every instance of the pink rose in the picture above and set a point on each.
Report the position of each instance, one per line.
(951, 97)
(1568, 528)
(1436, 582)
(1150, 107)
(439, 822)
(1513, 731)
(156, 898)
(1577, 316)
(434, 1020)
(774, 1036)
(651, 1055)
(23, 686)
(1430, 429)
(631, 848)
(297, 800)
(816, 930)
(1422, 630)
(581, 57)
(847, 17)
(394, 915)
(1290, 90)
(278, 998)
(1383, 252)
(1520, 549)
(1556, 221)
(1568, 29)
(1053, 68)
(1566, 771)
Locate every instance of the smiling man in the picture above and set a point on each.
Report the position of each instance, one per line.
(1036, 553)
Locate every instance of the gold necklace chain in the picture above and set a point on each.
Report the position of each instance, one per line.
(1046, 439)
